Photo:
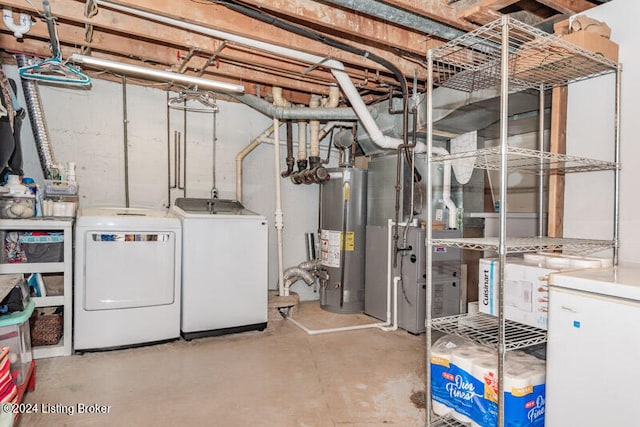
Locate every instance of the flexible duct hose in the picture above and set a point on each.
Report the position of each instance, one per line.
(38, 122)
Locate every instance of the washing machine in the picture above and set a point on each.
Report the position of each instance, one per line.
(224, 267)
(127, 277)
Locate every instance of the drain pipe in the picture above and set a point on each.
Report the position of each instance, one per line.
(242, 154)
(18, 30)
(302, 147)
(392, 320)
(279, 223)
(336, 67)
(38, 122)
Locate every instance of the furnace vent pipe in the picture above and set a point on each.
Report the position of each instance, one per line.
(38, 122)
(336, 67)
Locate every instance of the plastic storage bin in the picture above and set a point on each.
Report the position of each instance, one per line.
(15, 334)
(17, 206)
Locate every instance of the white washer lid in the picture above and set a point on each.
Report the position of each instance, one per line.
(622, 281)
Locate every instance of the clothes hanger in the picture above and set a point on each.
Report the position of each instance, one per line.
(53, 69)
(205, 101)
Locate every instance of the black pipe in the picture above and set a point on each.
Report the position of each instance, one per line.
(290, 159)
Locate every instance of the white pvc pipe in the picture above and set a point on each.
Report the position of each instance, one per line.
(337, 68)
(389, 325)
(446, 188)
(302, 140)
(282, 291)
(18, 30)
(278, 99)
(242, 154)
(314, 129)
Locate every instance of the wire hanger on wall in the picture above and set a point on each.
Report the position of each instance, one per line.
(53, 69)
(204, 101)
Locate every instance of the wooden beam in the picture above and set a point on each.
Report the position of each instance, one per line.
(219, 17)
(339, 23)
(137, 28)
(439, 11)
(568, 6)
(558, 144)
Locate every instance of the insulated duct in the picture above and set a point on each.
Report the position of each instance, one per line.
(38, 122)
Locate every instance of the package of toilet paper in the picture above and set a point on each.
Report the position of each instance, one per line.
(524, 392)
(452, 384)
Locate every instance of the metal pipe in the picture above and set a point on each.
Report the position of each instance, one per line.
(38, 122)
(428, 239)
(311, 246)
(616, 190)
(214, 140)
(152, 73)
(184, 149)
(291, 161)
(51, 27)
(125, 137)
(541, 166)
(502, 246)
(168, 152)
(294, 113)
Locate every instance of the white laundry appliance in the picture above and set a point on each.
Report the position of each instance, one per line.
(224, 267)
(127, 277)
(593, 349)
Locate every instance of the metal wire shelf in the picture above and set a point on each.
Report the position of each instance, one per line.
(529, 161)
(472, 62)
(528, 244)
(438, 421)
(483, 329)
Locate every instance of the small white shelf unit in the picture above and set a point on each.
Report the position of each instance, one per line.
(65, 226)
(510, 56)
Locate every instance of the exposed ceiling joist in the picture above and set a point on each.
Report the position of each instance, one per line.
(399, 31)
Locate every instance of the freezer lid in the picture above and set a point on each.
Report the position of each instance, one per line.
(622, 281)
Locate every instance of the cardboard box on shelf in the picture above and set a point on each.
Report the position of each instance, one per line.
(526, 291)
(595, 43)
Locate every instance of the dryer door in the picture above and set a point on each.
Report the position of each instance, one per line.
(129, 269)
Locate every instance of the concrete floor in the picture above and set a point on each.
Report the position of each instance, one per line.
(279, 377)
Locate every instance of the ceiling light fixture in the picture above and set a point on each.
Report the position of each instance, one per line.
(152, 73)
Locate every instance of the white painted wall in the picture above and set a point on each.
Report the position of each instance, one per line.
(86, 127)
(588, 196)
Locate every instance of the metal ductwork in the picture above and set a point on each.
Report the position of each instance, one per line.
(399, 16)
(295, 113)
(38, 122)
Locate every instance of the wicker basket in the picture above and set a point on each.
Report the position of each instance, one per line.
(46, 329)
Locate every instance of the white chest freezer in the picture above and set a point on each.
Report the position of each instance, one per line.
(593, 350)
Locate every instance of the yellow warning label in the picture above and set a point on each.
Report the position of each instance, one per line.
(348, 241)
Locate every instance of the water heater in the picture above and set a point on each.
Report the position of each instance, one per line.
(343, 213)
